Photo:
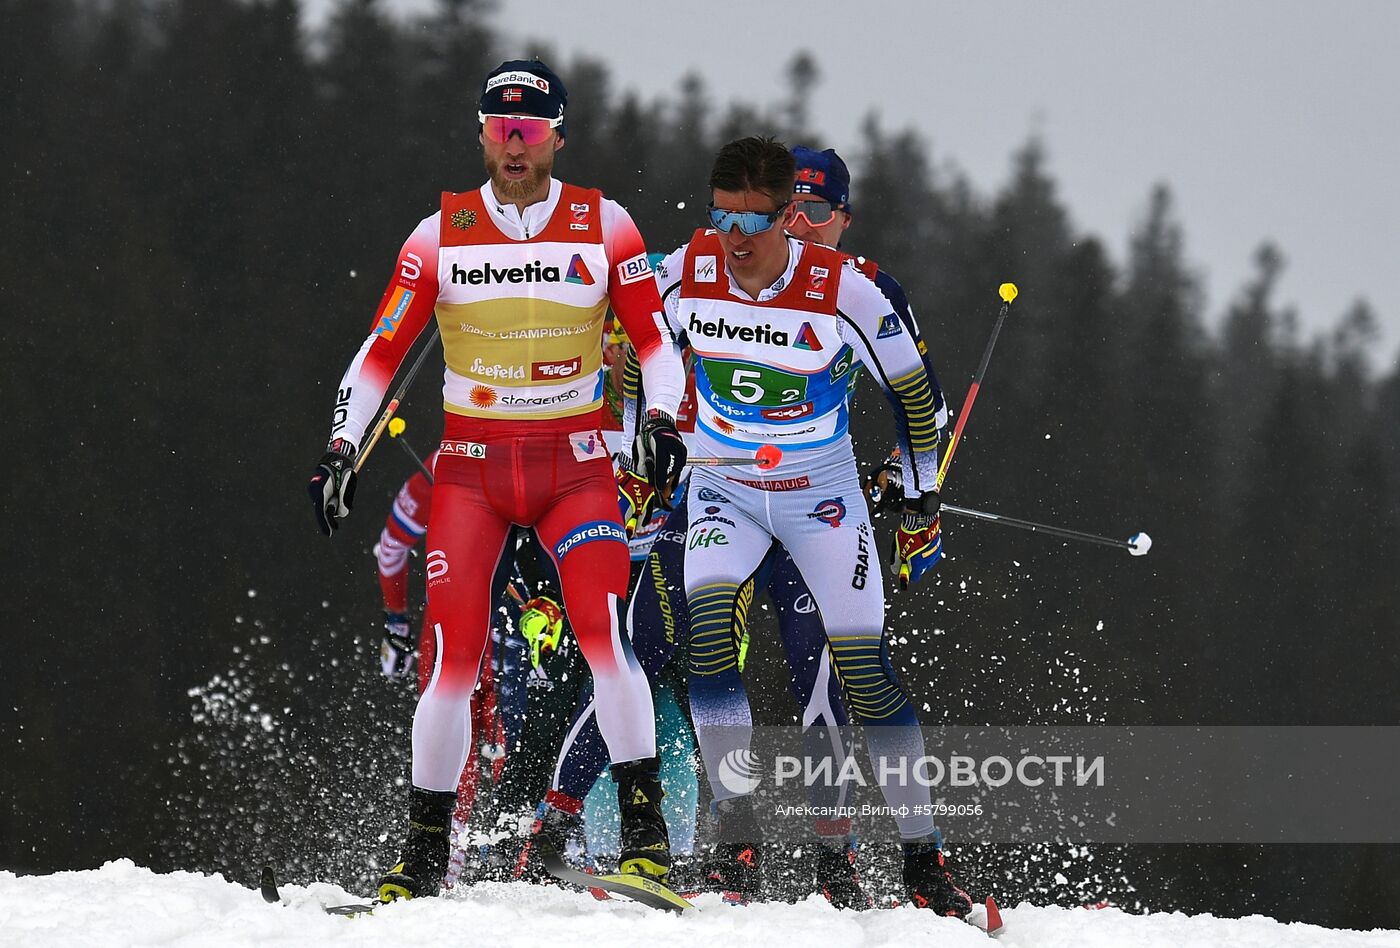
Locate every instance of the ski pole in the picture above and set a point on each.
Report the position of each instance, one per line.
(396, 427)
(1007, 292)
(393, 405)
(1138, 544)
(765, 459)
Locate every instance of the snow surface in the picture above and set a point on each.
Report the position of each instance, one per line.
(122, 904)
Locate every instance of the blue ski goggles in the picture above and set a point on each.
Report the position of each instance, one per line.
(748, 222)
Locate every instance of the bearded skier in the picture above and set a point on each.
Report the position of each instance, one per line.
(519, 275)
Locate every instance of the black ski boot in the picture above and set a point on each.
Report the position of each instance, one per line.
(837, 878)
(645, 846)
(558, 819)
(928, 882)
(420, 869)
(736, 865)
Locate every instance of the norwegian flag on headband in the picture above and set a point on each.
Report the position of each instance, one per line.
(512, 95)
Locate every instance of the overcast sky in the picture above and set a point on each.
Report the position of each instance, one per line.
(1269, 119)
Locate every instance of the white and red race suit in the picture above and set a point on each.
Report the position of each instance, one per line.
(403, 529)
(520, 299)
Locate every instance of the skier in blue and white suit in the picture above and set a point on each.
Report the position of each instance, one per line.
(775, 325)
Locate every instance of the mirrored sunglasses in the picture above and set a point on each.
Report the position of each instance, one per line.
(816, 213)
(532, 129)
(748, 222)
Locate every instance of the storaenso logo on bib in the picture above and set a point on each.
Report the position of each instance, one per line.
(539, 400)
(486, 274)
(587, 533)
(765, 334)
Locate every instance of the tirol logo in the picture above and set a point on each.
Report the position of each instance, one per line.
(554, 371)
(587, 533)
(578, 272)
(807, 339)
(534, 272)
(496, 371)
(764, 334)
(830, 512)
(812, 176)
(789, 413)
(707, 537)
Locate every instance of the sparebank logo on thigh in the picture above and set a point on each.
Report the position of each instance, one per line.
(587, 533)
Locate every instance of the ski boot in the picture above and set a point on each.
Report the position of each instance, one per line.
(644, 844)
(557, 820)
(421, 868)
(929, 884)
(837, 878)
(735, 867)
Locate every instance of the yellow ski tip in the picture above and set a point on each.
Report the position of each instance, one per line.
(1007, 292)
(397, 425)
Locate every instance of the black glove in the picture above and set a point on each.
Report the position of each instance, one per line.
(332, 486)
(658, 454)
(397, 651)
(884, 485)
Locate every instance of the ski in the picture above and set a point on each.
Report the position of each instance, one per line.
(992, 924)
(267, 885)
(634, 887)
